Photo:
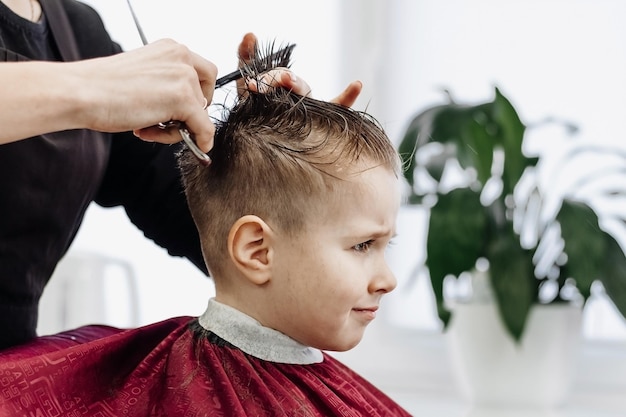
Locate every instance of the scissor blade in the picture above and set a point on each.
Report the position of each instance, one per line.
(141, 34)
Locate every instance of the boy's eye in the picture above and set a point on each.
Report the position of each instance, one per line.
(364, 246)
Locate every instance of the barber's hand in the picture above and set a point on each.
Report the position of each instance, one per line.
(159, 82)
(278, 77)
(349, 95)
(285, 78)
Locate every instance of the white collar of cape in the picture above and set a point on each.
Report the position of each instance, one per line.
(253, 338)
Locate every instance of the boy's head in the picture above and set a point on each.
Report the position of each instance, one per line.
(295, 214)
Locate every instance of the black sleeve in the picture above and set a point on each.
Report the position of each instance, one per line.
(144, 178)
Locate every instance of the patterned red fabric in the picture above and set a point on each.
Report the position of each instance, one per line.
(163, 370)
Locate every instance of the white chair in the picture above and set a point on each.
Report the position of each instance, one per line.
(89, 288)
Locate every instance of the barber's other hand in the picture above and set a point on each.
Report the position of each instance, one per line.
(285, 78)
(278, 77)
(349, 95)
(159, 82)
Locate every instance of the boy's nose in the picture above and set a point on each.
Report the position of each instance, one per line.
(384, 281)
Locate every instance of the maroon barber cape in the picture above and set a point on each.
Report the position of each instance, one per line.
(166, 369)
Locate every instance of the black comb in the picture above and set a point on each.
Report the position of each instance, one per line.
(269, 62)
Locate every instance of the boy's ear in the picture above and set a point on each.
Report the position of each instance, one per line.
(249, 246)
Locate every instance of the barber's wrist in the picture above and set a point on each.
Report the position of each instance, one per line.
(84, 106)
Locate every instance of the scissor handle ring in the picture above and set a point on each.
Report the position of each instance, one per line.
(204, 158)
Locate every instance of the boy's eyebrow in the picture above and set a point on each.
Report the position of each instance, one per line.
(382, 232)
(393, 235)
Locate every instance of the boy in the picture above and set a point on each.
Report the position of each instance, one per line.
(294, 213)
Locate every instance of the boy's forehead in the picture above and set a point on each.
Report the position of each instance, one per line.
(374, 191)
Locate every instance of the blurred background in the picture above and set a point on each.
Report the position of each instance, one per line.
(556, 58)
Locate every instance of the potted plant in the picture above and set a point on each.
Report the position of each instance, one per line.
(538, 242)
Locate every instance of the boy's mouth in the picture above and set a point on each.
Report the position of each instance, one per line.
(367, 312)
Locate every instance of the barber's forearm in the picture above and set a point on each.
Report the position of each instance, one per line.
(133, 90)
(38, 97)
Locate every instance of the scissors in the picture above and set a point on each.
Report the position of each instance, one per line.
(184, 133)
(220, 82)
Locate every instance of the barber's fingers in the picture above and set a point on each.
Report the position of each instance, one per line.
(176, 75)
(277, 77)
(193, 112)
(202, 130)
(198, 121)
(280, 77)
(203, 138)
(186, 100)
(207, 73)
(245, 53)
(156, 134)
(349, 95)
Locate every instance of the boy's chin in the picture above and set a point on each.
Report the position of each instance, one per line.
(344, 345)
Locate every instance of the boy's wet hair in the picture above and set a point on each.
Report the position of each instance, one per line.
(282, 157)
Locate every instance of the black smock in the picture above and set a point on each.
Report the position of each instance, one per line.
(47, 182)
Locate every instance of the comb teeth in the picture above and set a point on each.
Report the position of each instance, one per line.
(258, 66)
(267, 60)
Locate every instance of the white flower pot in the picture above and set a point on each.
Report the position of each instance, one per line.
(492, 370)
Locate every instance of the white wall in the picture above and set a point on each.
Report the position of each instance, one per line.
(561, 58)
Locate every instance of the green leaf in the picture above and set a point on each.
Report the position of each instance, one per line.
(513, 280)
(407, 149)
(477, 144)
(467, 128)
(444, 127)
(511, 135)
(614, 274)
(418, 134)
(474, 131)
(455, 239)
(585, 244)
